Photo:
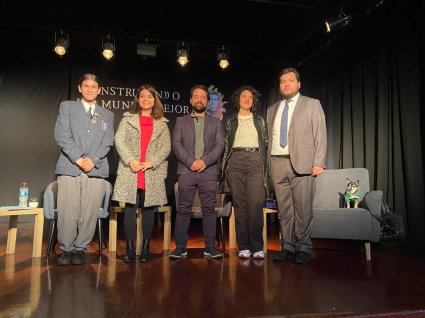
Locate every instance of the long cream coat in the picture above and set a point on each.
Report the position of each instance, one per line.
(127, 143)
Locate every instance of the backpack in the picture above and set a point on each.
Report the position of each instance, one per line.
(392, 223)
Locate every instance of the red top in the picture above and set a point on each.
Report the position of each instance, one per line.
(146, 128)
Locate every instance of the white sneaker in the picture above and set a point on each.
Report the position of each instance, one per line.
(244, 254)
(259, 254)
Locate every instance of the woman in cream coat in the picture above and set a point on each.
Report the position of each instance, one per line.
(143, 144)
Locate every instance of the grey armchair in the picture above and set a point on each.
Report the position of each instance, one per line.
(51, 212)
(331, 220)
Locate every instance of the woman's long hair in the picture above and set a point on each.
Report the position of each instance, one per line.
(158, 108)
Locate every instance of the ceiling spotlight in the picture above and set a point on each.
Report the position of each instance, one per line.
(108, 47)
(340, 21)
(182, 54)
(61, 43)
(223, 57)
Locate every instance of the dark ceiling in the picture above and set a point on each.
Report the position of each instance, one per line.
(252, 29)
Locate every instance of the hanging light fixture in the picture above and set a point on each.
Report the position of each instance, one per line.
(61, 43)
(108, 47)
(223, 57)
(182, 54)
(340, 21)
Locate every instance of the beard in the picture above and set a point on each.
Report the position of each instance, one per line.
(199, 108)
(289, 95)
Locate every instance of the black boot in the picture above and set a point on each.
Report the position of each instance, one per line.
(129, 251)
(144, 256)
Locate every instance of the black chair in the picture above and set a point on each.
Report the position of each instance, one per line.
(223, 209)
(51, 213)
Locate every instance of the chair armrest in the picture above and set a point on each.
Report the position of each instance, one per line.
(373, 201)
(106, 199)
(48, 204)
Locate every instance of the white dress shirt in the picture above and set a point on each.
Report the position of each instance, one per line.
(276, 148)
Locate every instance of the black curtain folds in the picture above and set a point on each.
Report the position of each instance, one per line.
(369, 84)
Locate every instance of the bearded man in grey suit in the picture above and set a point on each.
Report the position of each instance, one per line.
(85, 133)
(296, 155)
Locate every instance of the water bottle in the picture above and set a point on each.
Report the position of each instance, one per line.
(23, 195)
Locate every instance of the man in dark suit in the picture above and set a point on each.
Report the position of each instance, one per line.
(85, 133)
(296, 155)
(198, 142)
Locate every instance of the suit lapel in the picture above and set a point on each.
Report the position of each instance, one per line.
(298, 109)
(157, 128)
(273, 111)
(207, 124)
(134, 122)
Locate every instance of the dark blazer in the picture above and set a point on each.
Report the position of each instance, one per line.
(77, 135)
(230, 130)
(306, 135)
(184, 143)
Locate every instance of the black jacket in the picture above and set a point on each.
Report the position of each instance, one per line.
(230, 131)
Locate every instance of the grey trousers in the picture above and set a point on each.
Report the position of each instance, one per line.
(294, 195)
(79, 201)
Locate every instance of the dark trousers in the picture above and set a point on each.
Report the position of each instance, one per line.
(206, 184)
(130, 217)
(245, 179)
(294, 195)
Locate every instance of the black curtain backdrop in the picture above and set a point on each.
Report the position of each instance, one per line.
(370, 82)
(32, 87)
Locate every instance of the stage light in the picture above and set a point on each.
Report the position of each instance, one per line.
(223, 57)
(341, 21)
(182, 54)
(61, 43)
(108, 47)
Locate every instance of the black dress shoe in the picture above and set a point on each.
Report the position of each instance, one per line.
(79, 257)
(302, 257)
(284, 255)
(65, 258)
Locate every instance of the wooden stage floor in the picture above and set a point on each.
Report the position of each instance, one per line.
(338, 282)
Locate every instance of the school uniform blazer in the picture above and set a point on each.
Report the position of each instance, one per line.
(77, 135)
(306, 135)
(184, 143)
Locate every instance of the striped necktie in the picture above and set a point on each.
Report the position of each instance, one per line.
(284, 125)
(90, 113)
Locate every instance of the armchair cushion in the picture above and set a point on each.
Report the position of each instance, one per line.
(331, 220)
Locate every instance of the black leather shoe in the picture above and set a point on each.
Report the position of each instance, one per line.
(129, 251)
(144, 256)
(78, 257)
(302, 257)
(65, 258)
(284, 255)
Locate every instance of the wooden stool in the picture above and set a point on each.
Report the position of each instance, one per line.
(13, 224)
(232, 232)
(113, 227)
(265, 212)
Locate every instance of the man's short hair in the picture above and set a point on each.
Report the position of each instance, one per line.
(290, 70)
(200, 86)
